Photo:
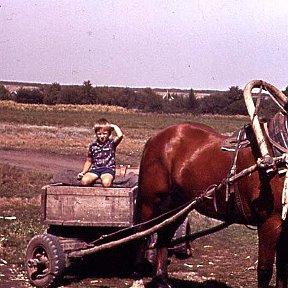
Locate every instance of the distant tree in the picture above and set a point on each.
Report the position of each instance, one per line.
(107, 95)
(125, 97)
(268, 108)
(149, 101)
(28, 96)
(192, 101)
(51, 94)
(87, 93)
(236, 103)
(177, 105)
(4, 93)
(237, 108)
(140, 99)
(155, 103)
(234, 93)
(69, 95)
(228, 102)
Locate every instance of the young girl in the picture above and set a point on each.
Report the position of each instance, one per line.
(100, 162)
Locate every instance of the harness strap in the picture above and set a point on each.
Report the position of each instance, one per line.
(285, 198)
(239, 203)
(234, 163)
(274, 143)
(231, 187)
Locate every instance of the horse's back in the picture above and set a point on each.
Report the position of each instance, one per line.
(186, 157)
(180, 143)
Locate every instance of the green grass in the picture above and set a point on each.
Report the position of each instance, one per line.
(15, 182)
(20, 192)
(70, 115)
(15, 234)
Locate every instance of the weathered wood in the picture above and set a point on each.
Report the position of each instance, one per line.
(88, 206)
(254, 117)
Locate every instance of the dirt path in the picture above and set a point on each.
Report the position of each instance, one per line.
(49, 163)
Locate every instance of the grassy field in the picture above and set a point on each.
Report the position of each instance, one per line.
(85, 115)
(20, 217)
(66, 130)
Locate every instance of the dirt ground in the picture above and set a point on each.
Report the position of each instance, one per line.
(225, 259)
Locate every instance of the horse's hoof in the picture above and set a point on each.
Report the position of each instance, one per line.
(159, 283)
(137, 284)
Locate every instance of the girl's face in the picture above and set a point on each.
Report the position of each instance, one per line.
(102, 135)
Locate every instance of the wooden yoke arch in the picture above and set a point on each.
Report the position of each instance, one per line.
(279, 98)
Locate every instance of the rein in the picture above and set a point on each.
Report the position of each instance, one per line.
(184, 211)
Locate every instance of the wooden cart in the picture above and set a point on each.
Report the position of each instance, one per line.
(79, 218)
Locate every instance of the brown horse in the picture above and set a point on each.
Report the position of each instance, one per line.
(181, 162)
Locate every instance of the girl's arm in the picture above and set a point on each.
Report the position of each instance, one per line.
(86, 167)
(119, 134)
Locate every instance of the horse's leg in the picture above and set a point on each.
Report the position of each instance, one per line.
(160, 279)
(138, 273)
(282, 258)
(155, 199)
(139, 269)
(268, 233)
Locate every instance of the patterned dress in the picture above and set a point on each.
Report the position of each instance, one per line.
(102, 155)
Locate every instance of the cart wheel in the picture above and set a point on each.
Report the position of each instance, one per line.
(45, 260)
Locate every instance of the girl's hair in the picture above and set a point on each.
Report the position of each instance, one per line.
(102, 124)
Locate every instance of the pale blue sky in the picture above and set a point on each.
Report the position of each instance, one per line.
(204, 44)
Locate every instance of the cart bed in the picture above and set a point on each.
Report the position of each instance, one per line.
(88, 206)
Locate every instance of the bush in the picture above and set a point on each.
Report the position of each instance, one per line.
(29, 96)
(51, 94)
(228, 102)
(148, 101)
(69, 95)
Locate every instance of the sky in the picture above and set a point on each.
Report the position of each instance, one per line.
(198, 44)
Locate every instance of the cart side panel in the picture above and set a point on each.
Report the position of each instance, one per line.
(88, 206)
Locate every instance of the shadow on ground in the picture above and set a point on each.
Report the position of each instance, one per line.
(177, 283)
(116, 271)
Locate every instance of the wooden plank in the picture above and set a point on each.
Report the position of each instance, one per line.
(96, 191)
(88, 206)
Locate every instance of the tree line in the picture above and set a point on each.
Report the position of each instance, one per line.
(228, 102)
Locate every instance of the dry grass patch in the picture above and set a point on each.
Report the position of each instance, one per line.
(64, 107)
(69, 140)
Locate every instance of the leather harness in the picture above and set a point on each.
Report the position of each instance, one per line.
(277, 133)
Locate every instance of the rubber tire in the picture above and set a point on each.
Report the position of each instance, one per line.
(49, 246)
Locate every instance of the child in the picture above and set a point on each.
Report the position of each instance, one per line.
(100, 162)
